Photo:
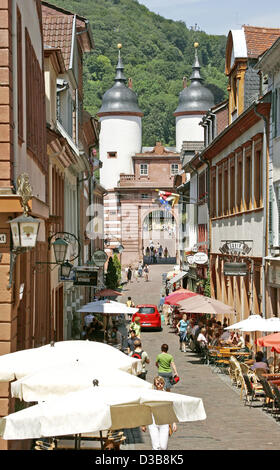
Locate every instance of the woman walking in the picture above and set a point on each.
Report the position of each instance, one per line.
(182, 326)
(165, 364)
(159, 434)
(146, 273)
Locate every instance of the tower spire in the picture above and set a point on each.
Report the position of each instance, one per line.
(196, 66)
(120, 77)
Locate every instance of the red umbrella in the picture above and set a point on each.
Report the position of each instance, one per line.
(180, 294)
(272, 341)
(107, 293)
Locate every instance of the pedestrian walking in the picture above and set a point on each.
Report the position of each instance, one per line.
(182, 326)
(129, 274)
(165, 252)
(131, 340)
(165, 364)
(138, 353)
(136, 277)
(146, 273)
(140, 269)
(166, 310)
(160, 251)
(159, 434)
(135, 326)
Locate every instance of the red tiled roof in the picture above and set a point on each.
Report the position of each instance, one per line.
(57, 32)
(259, 39)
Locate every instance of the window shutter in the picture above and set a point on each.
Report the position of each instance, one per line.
(270, 219)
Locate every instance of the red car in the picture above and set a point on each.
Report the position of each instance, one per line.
(149, 316)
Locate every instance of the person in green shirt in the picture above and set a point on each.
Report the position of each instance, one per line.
(165, 364)
(136, 326)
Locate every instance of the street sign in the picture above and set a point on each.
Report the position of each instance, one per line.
(235, 269)
(200, 258)
(86, 276)
(99, 258)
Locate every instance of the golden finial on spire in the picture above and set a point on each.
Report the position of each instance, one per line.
(119, 46)
(196, 45)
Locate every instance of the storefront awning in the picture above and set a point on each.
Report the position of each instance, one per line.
(177, 278)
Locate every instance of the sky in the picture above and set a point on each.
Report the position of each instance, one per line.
(218, 16)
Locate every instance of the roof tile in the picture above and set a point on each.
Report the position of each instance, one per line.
(259, 39)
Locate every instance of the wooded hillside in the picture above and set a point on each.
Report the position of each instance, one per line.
(157, 54)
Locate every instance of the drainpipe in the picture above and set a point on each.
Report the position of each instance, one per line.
(265, 200)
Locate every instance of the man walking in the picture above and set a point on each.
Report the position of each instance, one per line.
(138, 353)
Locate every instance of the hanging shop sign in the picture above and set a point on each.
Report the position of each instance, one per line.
(200, 258)
(235, 248)
(99, 258)
(274, 275)
(86, 276)
(235, 269)
(190, 259)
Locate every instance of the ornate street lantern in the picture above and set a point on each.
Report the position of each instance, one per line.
(60, 248)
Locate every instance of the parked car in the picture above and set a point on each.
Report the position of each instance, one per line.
(149, 316)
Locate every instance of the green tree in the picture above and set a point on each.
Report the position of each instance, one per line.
(118, 267)
(207, 286)
(111, 275)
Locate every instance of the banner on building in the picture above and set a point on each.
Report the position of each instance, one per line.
(167, 199)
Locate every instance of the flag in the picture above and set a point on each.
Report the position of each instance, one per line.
(167, 199)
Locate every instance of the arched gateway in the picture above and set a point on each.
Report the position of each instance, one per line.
(159, 237)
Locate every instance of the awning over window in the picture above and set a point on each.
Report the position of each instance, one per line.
(177, 278)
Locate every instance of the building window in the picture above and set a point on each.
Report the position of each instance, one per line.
(276, 112)
(174, 169)
(248, 180)
(239, 188)
(213, 192)
(19, 75)
(144, 169)
(201, 186)
(225, 188)
(112, 154)
(220, 191)
(232, 186)
(258, 178)
(35, 106)
(144, 196)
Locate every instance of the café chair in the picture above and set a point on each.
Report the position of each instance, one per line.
(252, 391)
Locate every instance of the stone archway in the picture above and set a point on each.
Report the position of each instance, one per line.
(160, 227)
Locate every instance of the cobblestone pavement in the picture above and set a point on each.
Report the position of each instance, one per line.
(229, 425)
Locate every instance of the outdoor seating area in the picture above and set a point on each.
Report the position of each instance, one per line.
(228, 349)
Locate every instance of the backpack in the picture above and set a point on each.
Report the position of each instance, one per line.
(137, 355)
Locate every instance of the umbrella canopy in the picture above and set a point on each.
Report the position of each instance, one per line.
(107, 307)
(99, 409)
(60, 380)
(180, 294)
(252, 323)
(107, 293)
(21, 363)
(273, 324)
(202, 304)
(272, 341)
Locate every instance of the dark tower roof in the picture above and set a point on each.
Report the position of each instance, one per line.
(195, 98)
(120, 99)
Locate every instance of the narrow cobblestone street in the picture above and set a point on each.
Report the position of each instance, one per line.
(229, 425)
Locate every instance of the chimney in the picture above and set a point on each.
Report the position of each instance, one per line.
(130, 83)
(185, 82)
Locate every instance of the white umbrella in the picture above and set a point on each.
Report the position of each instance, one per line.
(61, 380)
(107, 307)
(21, 363)
(273, 324)
(99, 409)
(252, 323)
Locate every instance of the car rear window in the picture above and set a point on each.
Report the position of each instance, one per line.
(146, 310)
